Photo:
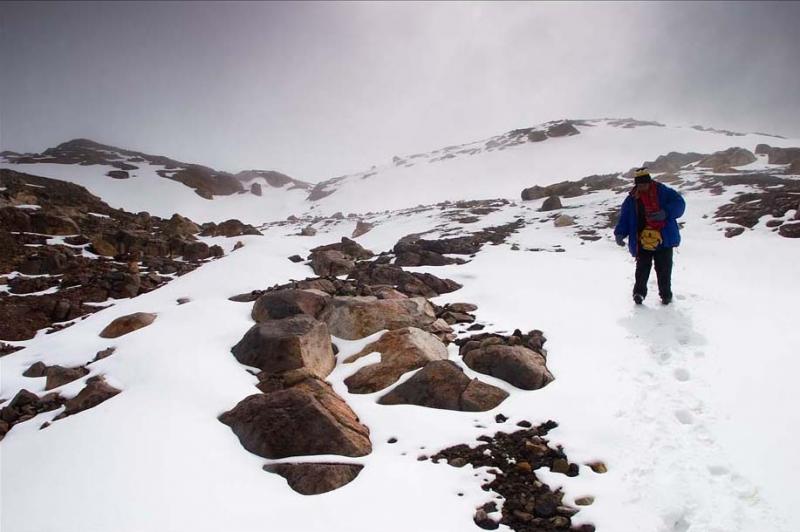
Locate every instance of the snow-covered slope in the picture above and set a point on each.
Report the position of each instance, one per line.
(690, 406)
(497, 167)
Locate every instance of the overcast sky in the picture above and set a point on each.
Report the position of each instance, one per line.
(316, 90)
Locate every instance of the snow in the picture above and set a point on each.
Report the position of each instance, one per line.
(28, 207)
(145, 190)
(691, 406)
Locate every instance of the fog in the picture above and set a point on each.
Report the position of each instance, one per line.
(317, 90)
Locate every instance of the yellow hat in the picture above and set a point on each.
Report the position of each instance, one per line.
(643, 171)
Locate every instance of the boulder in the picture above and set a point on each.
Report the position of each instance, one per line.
(100, 246)
(36, 370)
(387, 292)
(442, 384)
(515, 364)
(229, 228)
(127, 324)
(352, 318)
(790, 230)
(401, 350)
(180, 226)
(348, 247)
(255, 189)
(315, 478)
(783, 155)
(58, 376)
(361, 228)
(331, 263)
(97, 390)
(552, 203)
(306, 419)
(279, 304)
(563, 220)
(276, 346)
(308, 231)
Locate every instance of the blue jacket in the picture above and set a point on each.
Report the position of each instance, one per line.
(628, 225)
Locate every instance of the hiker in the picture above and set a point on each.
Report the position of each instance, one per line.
(648, 219)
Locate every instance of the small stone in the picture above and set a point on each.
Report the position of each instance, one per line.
(524, 424)
(524, 467)
(44, 425)
(483, 520)
(183, 300)
(559, 522)
(598, 467)
(457, 462)
(391, 440)
(238, 245)
(522, 516)
(500, 418)
(560, 465)
(421, 458)
(566, 511)
(296, 258)
(584, 501)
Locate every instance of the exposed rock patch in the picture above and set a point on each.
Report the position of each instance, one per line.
(315, 478)
(127, 324)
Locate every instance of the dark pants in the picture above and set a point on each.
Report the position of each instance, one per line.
(644, 261)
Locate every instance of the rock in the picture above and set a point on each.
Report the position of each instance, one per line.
(238, 245)
(278, 304)
(731, 232)
(563, 220)
(36, 370)
(483, 520)
(296, 258)
(790, 230)
(387, 292)
(762, 149)
(598, 467)
(229, 228)
(442, 384)
(276, 346)
(105, 353)
(353, 318)
(102, 247)
(562, 129)
(584, 501)
(361, 228)
(401, 350)
(127, 324)
(783, 155)
(308, 231)
(255, 189)
(517, 365)
(552, 203)
(315, 478)
(183, 300)
(331, 263)
(50, 224)
(728, 158)
(118, 174)
(350, 248)
(58, 376)
(97, 390)
(180, 226)
(462, 308)
(306, 419)
(560, 465)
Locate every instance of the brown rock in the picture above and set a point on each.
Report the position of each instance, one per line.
(401, 350)
(127, 324)
(315, 478)
(516, 365)
(279, 304)
(97, 390)
(728, 158)
(58, 376)
(552, 203)
(37, 369)
(276, 346)
(564, 220)
(306, 419)
(105, 353)
(352, 318)
(308, 231)
(442, 384)
(790, 230)
(102, 247)
(331, 263)
(361, 228)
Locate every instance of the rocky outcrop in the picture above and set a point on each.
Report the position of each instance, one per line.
(518, 359)
(571, 189)
(401, 350)
(306, 419)
(276, 346)
(26, 405)
(352, 318)
(315, 478)
(228, 228)
(442, 384)
(779, 155)
(127, 324)
(410, 283)
(728, 158)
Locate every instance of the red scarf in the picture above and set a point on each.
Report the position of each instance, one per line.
(650, 201)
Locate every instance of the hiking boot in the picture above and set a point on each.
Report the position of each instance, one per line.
(666, 300)
(638, 298)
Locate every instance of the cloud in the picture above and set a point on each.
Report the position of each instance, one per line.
(320, 89)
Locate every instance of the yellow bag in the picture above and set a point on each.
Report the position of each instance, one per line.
(650, 239)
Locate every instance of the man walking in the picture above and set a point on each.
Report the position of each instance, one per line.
(648, 219)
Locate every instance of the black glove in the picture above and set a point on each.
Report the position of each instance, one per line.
(620, 240)
(658, 216)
